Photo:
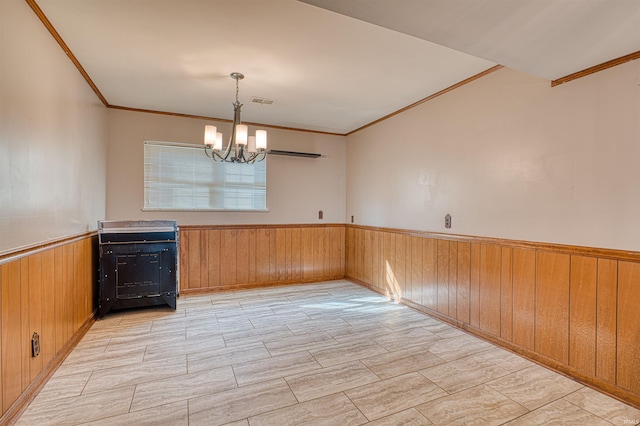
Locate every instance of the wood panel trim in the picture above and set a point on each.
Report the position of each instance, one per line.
(540, 246)
(66, 49)
(29, 394)
(41, 247)
(223, 120)
(430, 97)
(596, 68)
(269, 226)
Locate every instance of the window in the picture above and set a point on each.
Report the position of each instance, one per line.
(181, 177)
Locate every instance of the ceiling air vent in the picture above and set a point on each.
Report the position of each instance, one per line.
(261, 101)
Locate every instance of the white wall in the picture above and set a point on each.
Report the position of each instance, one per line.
(510, 157)
(52, 137)
(296, 187)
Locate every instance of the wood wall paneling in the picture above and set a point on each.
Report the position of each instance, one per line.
(417, 268)
(453, 279)
(263, 255)
(183, 266)
(67, 291)
(35, 309)
(579, 310)
(296, 255)
(400, 268)
(524, 297)
(59, 300)
(228, 264)
(490, 267)
(307, 253)
(570, 307)
(287, 270)
(429, 273)
(195, 263)
(226, 257)
(243, 257)
(343, 257)
(48, 335)
(349, 251)
(273, 270)
(506, 294)
(341, 251)
(442, 248)
(334, 252)
(326, 262)
(11, 333)
(1, 346)
(391, 287)
(319, 252)
(78, 293)
(582, 313)
(367, 256)
(213, 259)
(628, 335)
(474, 302)
(408, 285)
(606, 316)
(463, 282)
(25, 336)
(203, 272)
(50, 292)
(552, 305)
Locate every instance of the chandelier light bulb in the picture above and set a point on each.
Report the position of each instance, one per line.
(241, 134)
(210, 135)
(261, 140)
(251, 145)
(218, 145)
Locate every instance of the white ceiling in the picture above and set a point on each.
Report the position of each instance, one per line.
(327, 71)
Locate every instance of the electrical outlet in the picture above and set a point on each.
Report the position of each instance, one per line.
(320, 214)
(447, 221)
(35, 345)
(351, 219)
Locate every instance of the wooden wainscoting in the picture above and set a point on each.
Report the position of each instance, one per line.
(574, 309)
(49, 290)
(215, 258)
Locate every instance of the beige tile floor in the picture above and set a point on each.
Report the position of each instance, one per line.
(330, 353)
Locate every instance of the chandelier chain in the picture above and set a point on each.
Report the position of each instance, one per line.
(237, 90)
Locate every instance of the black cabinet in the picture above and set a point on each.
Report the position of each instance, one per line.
(138, 264)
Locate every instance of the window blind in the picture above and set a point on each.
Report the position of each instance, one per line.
(181, 177)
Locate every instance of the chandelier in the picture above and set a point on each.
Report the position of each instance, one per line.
(241, 148)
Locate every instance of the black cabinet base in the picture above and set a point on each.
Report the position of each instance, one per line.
(105, 306)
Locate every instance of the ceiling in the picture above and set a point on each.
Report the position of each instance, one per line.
(328, 65)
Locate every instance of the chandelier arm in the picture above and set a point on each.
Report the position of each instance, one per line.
(254, 157)
(212, 154)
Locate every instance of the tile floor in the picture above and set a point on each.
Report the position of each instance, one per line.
(330, 353)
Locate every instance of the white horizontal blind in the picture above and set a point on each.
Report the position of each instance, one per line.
(182, 177)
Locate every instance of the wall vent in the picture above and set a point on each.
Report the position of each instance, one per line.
(261, 101)
(294, 153)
